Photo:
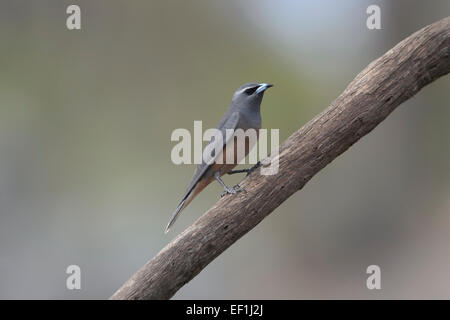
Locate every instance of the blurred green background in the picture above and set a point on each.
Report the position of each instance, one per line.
(85, 124)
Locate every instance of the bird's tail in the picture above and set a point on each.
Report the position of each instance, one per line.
(188, 197)
(176, 213)
(186, 200)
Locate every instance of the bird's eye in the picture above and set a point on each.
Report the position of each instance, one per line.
(251, 90)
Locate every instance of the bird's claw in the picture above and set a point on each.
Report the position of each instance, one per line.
(237, 188)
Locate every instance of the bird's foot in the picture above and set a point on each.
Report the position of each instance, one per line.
(228, 191)
(237, 188)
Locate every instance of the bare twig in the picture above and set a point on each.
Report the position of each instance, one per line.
(369, 99)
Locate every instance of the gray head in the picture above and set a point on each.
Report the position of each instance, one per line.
(250, 94)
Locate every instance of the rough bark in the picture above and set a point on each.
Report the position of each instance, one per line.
(369, 99)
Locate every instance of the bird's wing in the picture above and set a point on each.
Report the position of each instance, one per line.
(227, 122)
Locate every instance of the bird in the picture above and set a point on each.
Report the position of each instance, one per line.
(243, 113)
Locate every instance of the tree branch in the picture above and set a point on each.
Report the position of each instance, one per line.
(369, 99)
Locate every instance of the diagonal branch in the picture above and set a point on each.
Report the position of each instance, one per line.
(369, 99)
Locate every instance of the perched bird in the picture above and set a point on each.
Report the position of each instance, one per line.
(243, 113)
